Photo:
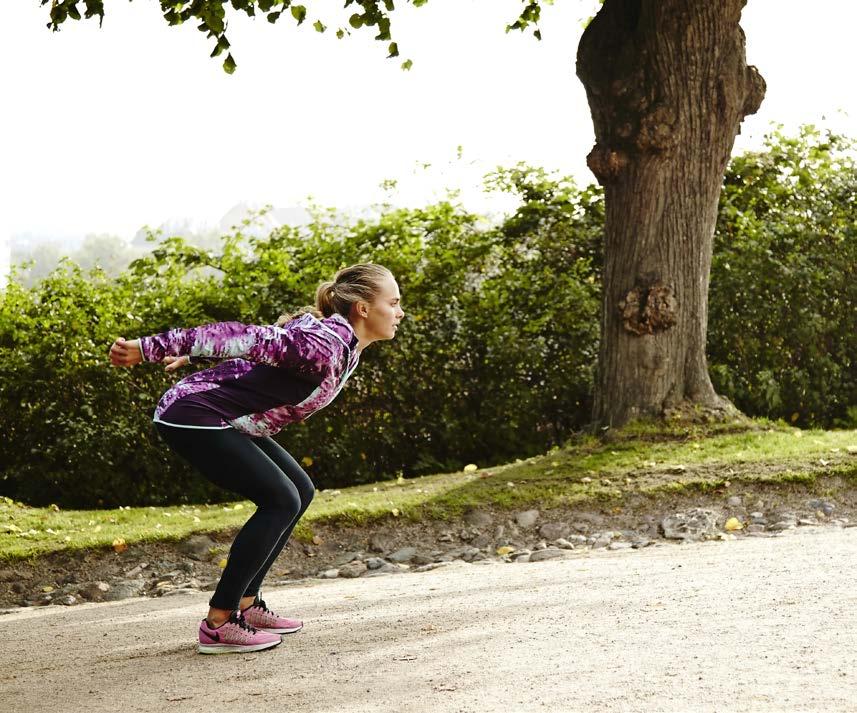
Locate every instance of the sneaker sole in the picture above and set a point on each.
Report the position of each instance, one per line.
(235, 648)
(281, 631)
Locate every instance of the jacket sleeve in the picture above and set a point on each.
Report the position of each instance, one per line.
(307, 351)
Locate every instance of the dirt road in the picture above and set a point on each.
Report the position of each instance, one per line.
(766, 624)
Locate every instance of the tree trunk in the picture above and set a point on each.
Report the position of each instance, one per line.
(668, 86)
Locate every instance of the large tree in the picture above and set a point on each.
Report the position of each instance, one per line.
(668, 87)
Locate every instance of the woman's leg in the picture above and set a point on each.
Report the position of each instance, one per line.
(233, 461)
(305, 489)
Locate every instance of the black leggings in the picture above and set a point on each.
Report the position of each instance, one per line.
(260, 470)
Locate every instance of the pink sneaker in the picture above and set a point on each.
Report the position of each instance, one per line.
(234, 636)
(262, 618)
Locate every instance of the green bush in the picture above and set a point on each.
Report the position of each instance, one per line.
(783, 294)
(493, 360)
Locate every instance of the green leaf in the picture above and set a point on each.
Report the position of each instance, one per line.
(229, 64)
(340, 33)
(274, 16)
(299, 13)
(319, 27)
(394, 50)
(407, 64)
(356, 21)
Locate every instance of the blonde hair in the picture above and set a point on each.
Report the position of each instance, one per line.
(351, 284)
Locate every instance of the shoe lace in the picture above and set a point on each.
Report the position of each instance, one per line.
(260, 604)
(237, 617)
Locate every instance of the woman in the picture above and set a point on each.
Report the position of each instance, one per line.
(221, 420)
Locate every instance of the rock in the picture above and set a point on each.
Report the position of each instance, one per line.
(347, 557)
(553, 530)
(375, 563)
(806, 522)
(527, 518)
(523, 558)
(782, 525)
(403, 555)
(354, 569)
(466, 535)
(68, 600)
(465, 553)
(390, 568)
(329, 574)
(446, 537)
(603, 539)
(563, 544)
(478, 518)
(619, 546)
(580, 526)
(433, 565)
(198, 546)
(94, 591)
(379, 543)
(755, 528)
(734, 501)
(641, 543)
(550, 553)
(421, 559)
(499, 532)
(691, 526)
(124, 590)
(540, 545)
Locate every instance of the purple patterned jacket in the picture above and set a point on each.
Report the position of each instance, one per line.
(317, 353)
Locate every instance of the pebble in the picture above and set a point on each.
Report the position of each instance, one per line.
(329, 574)
(403, 555)
(354, 569)
(527, 518)
(619, 546)
(549, 554)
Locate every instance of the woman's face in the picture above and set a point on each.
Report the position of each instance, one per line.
(384, 313)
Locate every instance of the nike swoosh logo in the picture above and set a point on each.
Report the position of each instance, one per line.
(213, 635)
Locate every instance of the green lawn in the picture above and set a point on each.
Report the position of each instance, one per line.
(584, 470)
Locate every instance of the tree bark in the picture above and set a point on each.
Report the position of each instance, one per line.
(668, 86)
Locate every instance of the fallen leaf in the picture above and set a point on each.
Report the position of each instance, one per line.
(505, 550)
(222, 563)
(306, 461)
(471, 468)
(316, 540)
(733, 523)
(119, 545)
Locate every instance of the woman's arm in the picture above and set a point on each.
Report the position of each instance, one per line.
(304, 348)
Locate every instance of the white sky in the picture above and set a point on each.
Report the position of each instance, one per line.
(107, 130)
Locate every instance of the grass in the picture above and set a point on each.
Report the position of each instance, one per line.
(587, 470)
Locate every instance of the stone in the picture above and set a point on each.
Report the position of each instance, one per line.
(329, 574)
(527, 518)
(433, 565)
(68, 600)
(563, 544)
(403, 555)
(734, 501)
(421, 559)
(94, 591)
(691, 526)
(390, 568)
(782, 525)
(347, 557)
(619, 546)
(478, 518)
(754, 528)
(550, 553)
(354, 569)
(375, 563)
(482, 541)
(553, 530)
(124, 590)
(198, 547)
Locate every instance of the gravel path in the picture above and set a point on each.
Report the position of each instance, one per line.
(759, 624)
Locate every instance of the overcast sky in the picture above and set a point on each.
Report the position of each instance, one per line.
(107, 130)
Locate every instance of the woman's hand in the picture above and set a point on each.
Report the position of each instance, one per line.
(175, 362)
(126, 352)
